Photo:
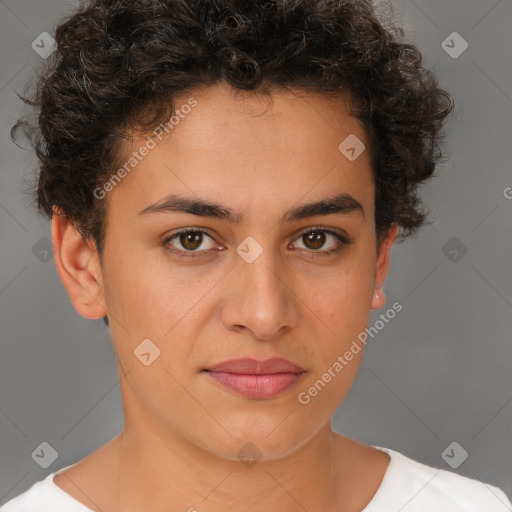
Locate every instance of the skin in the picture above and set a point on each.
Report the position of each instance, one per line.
(261, 156)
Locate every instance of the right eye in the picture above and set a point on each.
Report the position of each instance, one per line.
(191, 241)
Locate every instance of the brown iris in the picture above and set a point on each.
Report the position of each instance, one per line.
(191, 240)
(316, 239)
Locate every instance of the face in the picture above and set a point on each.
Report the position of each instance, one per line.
(258, 277)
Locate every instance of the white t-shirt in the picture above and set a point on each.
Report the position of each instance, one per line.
(407, 486)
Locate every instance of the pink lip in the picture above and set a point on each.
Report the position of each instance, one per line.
(256, 379)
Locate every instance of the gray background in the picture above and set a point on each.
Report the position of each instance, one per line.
(439, 372)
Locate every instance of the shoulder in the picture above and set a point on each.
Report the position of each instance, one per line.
(44, 496)
(411, 486)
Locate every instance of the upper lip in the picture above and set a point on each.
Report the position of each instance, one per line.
(250, 366)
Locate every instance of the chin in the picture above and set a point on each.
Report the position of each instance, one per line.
(249, 445)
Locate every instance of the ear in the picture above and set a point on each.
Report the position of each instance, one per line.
(382, 267)
(78, 267)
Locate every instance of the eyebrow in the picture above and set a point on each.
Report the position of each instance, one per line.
(340, 204)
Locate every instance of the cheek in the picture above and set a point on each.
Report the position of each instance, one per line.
(341, 307)
(342, 299)
(150, 295)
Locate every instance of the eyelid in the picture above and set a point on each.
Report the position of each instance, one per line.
(327, 229)
(191, 229)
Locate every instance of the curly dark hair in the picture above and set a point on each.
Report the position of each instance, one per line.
(119, 64)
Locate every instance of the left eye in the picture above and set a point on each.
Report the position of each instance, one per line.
(199, 241)
(315, 239)
(190, 240)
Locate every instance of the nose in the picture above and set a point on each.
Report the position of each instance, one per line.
(259, 298)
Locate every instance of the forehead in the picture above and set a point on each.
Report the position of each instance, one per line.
(250, 147)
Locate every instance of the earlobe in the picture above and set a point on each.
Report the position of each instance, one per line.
(78, 266)
(378, 300)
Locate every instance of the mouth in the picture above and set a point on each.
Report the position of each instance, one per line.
(256, 379)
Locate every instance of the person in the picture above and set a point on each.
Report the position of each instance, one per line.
(225, 182)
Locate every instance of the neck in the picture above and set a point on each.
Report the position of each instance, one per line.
(165, 471)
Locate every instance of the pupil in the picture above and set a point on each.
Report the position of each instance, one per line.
(189, 240)
(316, 238)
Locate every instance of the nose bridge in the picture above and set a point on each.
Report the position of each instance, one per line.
(260, 270)
(264, 273)
(262, 300)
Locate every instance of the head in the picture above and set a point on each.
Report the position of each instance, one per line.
(291, 153)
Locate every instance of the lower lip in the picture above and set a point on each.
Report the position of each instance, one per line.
(256, 386)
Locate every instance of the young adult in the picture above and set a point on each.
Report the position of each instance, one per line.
(226, 181)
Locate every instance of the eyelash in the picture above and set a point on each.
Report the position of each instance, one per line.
(344, 241)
